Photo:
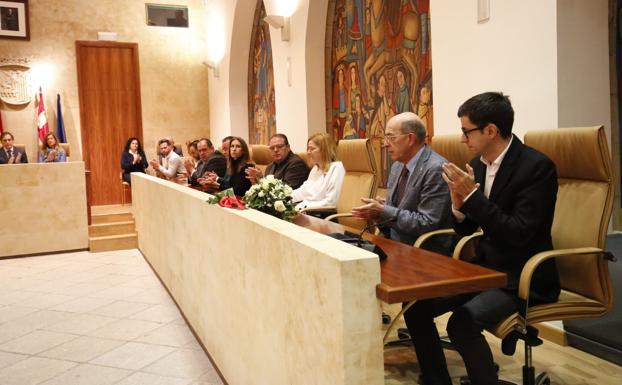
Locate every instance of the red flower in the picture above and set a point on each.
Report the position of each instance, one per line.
(232, 203)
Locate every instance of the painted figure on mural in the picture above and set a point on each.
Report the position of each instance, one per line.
(354, 89)
(261, 63)
(262, 108)
(402, 104)
(386, 65)
(425, 109)
(384, 109)
(360, 117)
(340, 101)
(354, 21)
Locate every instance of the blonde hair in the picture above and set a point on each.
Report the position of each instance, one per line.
(328, 148)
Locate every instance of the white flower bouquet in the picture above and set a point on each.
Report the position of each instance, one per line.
(272, 196)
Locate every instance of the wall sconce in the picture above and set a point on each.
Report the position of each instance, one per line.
(214, 67)
(281, 22)
(483, 11)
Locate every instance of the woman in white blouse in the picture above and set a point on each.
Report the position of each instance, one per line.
(323, 185)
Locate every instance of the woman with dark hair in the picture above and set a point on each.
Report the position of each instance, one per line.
(133, 159)
(51, 151)
(237, 163)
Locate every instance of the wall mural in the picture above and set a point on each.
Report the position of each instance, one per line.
(261, 102)
(380, 65)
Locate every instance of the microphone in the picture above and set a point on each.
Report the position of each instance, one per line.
(368, 227)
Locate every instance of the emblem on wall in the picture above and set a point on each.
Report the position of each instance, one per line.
(15, 81)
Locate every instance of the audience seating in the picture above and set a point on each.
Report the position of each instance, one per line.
(67, 148)
(359, 182)
(124, 187)
(260, 155)
(305, 157)
(451, 148)
(22, 147)
(582, 213)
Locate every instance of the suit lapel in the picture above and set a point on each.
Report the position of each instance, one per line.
(410, 187)
(508, 165)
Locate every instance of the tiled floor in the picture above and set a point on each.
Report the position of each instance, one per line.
(93, 319)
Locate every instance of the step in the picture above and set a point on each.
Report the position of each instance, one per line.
(109, 218)
(112, 228)
(113, 242)
(111, 209)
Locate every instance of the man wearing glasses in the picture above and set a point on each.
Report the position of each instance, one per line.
(508, 191)
(286, 165)
(417, 198)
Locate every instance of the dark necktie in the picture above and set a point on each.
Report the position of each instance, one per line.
(10, 153)
(401, 186)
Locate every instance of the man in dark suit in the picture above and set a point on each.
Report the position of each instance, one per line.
(209, 160)
(9, 154)
(417, 197)
(508, 191)
(286, 166)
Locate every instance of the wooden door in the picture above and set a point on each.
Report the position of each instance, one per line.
(110, 111)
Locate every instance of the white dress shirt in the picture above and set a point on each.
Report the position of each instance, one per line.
(491, 173)
(172, 167)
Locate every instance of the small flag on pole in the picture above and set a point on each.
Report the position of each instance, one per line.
(1, 128)
(60, 125)
(42, 121)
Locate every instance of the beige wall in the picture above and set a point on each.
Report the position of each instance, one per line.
(272, 302)
(583, 64)
(173, 78)
(300, 107)
(46, 204)
(528, 49)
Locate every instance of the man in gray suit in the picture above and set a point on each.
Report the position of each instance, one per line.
(418, 200)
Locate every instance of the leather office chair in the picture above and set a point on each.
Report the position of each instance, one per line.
(304, 156)
(20, 147)
(260, 155)
(582, 211)
(451, 148)
(67, 148)
(359, 181)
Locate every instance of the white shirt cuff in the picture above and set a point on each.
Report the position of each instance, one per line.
(458, 214)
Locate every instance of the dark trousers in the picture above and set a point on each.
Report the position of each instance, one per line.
(472, 313)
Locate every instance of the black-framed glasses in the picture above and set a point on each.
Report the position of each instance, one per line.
(466, 132)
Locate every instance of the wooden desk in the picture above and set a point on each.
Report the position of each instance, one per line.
(410, 273)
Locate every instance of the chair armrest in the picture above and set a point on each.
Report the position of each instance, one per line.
(463, 242)
(338, 215)
(524, 284)
(424, 237)
(320, 208)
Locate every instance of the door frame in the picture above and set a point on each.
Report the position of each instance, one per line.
(84, 133)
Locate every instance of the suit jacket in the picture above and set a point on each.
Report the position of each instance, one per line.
(127, 162)
(5, 160)
(517, 217)
(292, 170)
(216, 163)
(425, 206)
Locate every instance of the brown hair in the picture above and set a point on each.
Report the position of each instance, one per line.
(44, 145)
(237, 164)
(327, 146)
